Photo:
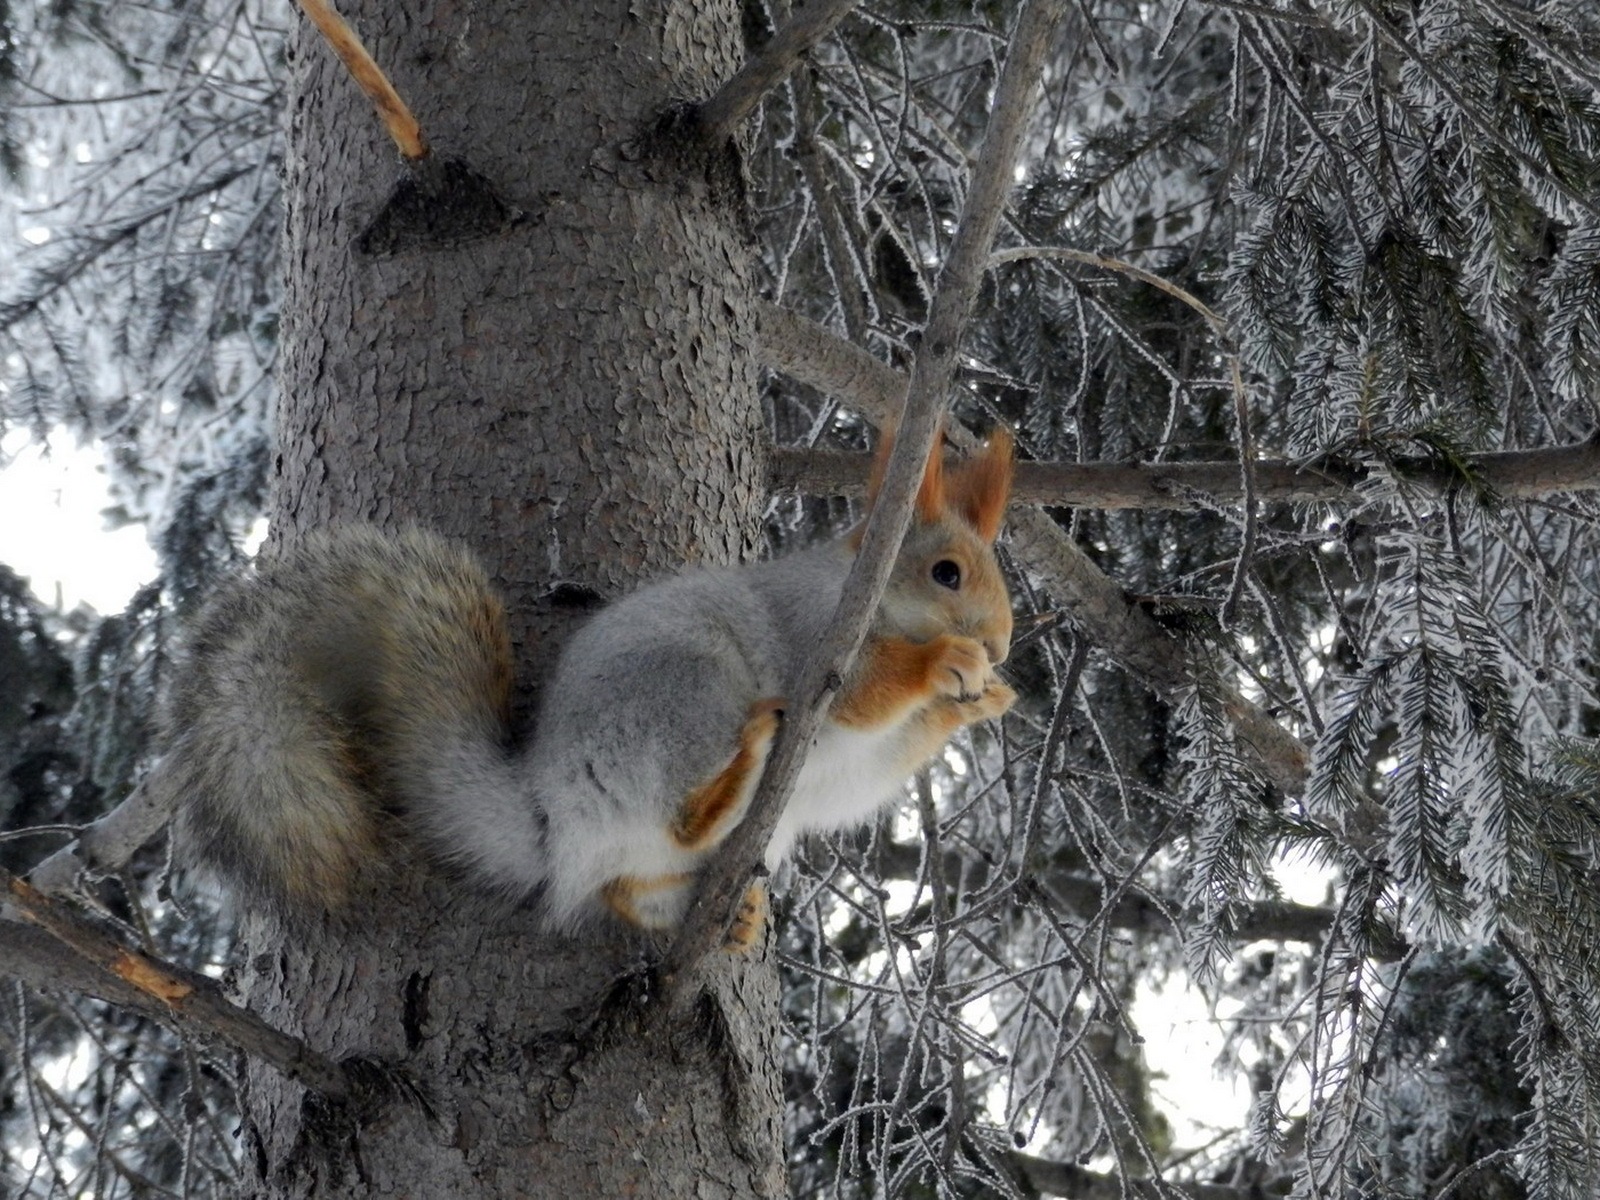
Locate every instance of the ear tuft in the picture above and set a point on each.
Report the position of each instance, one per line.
(981, 486)
(931, 493)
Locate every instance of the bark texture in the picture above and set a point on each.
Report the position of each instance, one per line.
(568, 388)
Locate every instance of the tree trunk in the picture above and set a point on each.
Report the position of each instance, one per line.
(570, 392)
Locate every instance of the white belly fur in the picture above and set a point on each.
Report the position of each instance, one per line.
(845, 779)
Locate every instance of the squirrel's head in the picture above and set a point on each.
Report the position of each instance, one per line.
(946, 579)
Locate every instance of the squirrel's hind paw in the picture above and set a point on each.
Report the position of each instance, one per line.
(750, 923)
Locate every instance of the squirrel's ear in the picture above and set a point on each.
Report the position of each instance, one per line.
(931, 494)
(981, 486)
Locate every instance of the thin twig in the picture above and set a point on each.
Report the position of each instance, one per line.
(820, 182)
(1247, 498)
(1096, 604)
(1122, 267)
(724, 880)
(1246, 465)
(369, 77)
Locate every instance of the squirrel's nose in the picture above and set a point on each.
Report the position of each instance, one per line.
(998, 649)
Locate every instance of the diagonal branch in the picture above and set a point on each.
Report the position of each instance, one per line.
(724, 880)
(369, 77)
(735, 100)
(85, 956)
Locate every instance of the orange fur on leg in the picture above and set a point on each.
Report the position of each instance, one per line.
(624, 894)
(715, 807)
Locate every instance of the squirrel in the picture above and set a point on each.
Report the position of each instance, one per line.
(360, 685)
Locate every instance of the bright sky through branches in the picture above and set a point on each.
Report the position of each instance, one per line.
(53, 528)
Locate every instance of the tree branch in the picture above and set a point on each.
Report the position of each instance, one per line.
(1514, 474)
(723, 882)
(1548, 173)
(736, 99)
(369, 77)
(1133, 912)
(1122, 267)
(848, 274)
(66, 948)
(109, 843)
(1097, 605)
(1068, 1179)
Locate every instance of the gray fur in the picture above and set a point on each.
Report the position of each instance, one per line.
(646, 705)
(366, 676)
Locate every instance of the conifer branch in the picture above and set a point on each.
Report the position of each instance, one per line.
(1539, 36)
(736, 99)
(1510, 474)
(88, 957)
(1132, 910)
(1122, 267)
(47, 282)
(1483, 124)
(1095, 603)
(724, 881)
(397, 117)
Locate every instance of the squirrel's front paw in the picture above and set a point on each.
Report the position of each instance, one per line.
(996, 699)
(961, 668)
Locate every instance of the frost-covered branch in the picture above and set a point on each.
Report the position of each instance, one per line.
(1098, 605)
(1053, 1178)
(1514, 474)
(1425, 63)
(47, 281)
(1135, 912)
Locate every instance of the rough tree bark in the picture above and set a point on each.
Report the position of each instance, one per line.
(573, 395)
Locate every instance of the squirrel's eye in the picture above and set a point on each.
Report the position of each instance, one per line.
(947, 574)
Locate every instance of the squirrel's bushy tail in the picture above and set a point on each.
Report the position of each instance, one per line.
(361, 676)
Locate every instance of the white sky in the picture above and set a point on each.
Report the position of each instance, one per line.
(52, 530)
